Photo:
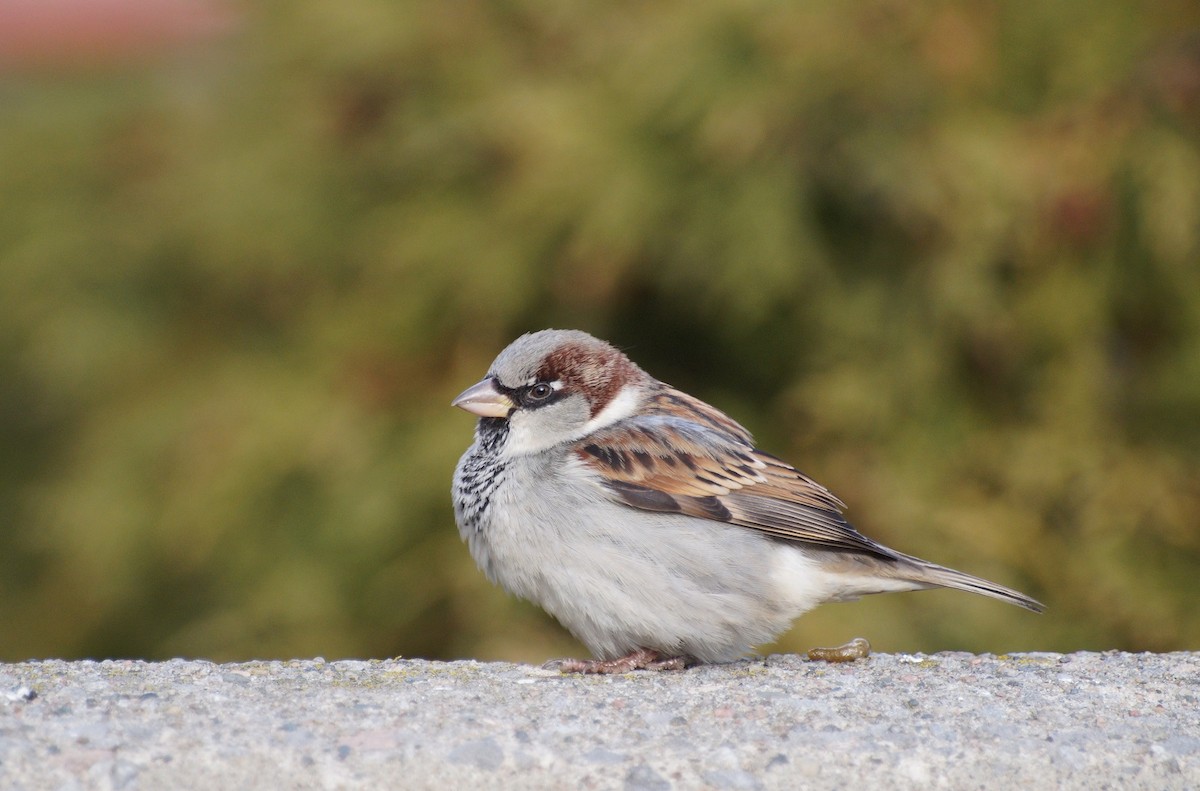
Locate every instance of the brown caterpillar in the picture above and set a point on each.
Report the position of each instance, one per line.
(858, 648)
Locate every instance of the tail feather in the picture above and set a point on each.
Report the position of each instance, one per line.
(933, 575)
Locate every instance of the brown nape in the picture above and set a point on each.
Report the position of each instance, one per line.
(598, 371)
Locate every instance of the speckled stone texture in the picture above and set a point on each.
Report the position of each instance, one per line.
(1086, 720)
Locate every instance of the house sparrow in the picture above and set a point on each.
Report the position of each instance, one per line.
(646, 521)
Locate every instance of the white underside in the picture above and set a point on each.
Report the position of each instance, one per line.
(800, 580)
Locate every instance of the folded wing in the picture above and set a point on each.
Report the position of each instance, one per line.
(684, 456)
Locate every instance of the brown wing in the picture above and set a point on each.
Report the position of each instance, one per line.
(684, 456)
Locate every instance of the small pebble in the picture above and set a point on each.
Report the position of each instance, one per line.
(858, 648)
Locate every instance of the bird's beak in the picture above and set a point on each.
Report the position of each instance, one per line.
(484, 399)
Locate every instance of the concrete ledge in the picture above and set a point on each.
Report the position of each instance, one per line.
(892, 721)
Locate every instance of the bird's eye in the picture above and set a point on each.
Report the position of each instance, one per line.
(540, 390)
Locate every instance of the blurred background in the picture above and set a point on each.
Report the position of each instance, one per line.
(945, 257)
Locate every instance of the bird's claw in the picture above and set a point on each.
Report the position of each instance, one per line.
(641, 659)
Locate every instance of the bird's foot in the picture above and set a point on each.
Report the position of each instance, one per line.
(641, 659)
(858, 648)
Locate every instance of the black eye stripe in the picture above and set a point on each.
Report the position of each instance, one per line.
(531, 396)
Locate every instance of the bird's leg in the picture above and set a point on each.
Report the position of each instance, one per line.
(641, 659)
(670, 663)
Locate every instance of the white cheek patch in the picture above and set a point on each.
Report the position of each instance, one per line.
(624, 405)
(529, 432)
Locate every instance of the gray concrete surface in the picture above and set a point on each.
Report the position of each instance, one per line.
(956, 720)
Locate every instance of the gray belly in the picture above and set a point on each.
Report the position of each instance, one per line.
(618, 578)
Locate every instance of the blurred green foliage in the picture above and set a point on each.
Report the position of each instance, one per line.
(945, 257)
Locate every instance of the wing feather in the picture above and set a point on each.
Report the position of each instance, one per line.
(681, 455)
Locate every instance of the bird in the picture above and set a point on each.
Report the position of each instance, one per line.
(646, 521)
